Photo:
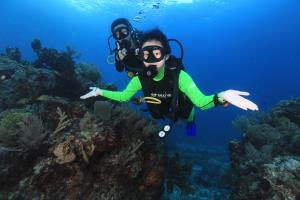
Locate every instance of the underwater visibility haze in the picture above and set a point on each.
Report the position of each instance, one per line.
(54, 145)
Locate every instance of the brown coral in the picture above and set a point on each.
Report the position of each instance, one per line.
(64, 153)
(141, 188)
(152, 179)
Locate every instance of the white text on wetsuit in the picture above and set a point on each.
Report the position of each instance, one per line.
(161, 96)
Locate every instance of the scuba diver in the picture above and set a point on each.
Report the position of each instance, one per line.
(127, 47)
(169, 91)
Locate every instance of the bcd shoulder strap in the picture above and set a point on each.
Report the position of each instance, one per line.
(174, 65)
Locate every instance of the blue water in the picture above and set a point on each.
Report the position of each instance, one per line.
(251, 45)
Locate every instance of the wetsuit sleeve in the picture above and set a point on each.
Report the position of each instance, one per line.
(132, 88)
(188, 86)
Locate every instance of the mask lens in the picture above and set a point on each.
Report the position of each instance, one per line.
(124, 31)
(152, 54)
(117, 35)
(121, 33)
(157, 53)
(145, 55)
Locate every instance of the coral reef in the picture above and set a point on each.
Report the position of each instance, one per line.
(61, 62)
(105, 163)
(54, 73)
(22, 82)
(63, 121)
(56, 146)
(11, 126)
(68, 74)
(13, 53)
(87, 72)
(267, 159)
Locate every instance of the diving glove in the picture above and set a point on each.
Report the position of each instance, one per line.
(93, 93)
(235, 98)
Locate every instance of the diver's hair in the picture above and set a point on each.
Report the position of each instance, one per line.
(119, 21)
(158, 35)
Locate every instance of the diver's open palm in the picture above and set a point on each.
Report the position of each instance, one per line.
(234, 97)
(94, 92)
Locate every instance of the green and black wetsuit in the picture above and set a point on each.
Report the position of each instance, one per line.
(160, 87)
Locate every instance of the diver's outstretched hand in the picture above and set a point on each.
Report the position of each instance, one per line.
(94, 92)
(234, 97)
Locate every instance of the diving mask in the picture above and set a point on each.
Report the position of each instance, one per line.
(121, 33)
(152, 54)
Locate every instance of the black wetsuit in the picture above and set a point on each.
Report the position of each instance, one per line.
(131, 62)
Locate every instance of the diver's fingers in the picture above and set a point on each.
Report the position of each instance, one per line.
(246, 103)
(92, 88)
(124, 51)
(250, 105)
(85, 96)
(239, 105)
(242, 93)
(235, 100)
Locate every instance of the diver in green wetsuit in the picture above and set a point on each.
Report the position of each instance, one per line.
(168, 90)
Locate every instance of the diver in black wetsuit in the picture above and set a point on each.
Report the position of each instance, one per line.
(127, 51)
